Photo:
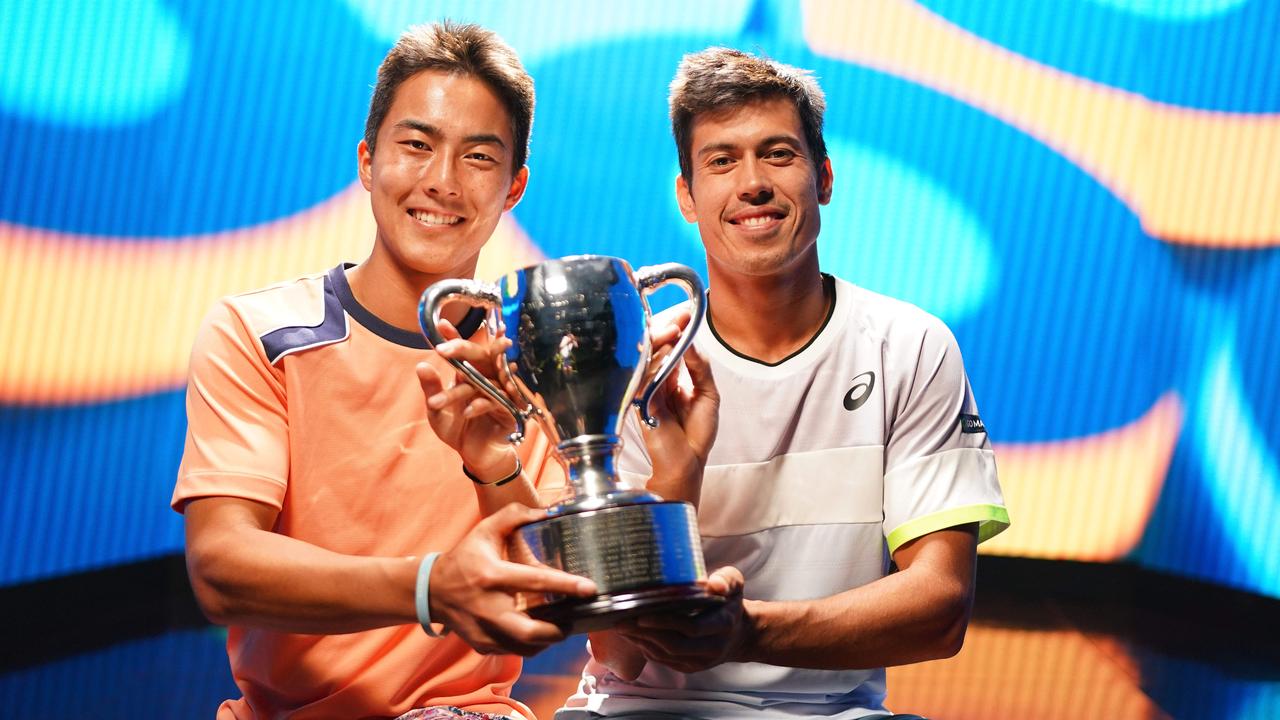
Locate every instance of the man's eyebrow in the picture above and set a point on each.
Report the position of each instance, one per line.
(791, 140)
(432, 130)
(716, 147)
(483, 138)
(424, 128)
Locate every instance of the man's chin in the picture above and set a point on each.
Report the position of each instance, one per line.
(764, 264)
(461, 265)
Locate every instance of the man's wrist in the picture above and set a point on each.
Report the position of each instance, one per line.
(422, 596)
(683, 483)
(499, 473)
(748, 641)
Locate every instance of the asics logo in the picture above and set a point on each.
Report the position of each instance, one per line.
(860, 392)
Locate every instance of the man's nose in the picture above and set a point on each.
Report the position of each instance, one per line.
(754, 185)
(440, 176)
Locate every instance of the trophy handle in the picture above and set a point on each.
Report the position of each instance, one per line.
(487, 296)
(652, 277)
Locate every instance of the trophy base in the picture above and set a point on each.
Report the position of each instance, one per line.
(604, 611)
(643, 558)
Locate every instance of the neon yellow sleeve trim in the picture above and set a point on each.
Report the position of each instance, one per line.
(991, 519)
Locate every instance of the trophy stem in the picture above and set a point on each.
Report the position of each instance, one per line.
(589, 460)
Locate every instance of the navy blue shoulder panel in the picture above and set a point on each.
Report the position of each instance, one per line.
(333, 328)
(469, 324)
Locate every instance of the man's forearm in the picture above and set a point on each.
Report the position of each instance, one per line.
(252, 577)
(919, 613)
(890, 622)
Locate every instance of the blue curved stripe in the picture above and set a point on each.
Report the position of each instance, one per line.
(886, 217)
(1255, 309)
(124, 678)
(1174, 10)
(86, 62)
(89, 485)
(1242, 476)
(553, 27)
(265, 126)
(1228, 61)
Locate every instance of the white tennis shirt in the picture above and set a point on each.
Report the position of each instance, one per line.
(825, 463)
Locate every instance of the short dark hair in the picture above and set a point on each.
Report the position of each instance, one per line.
(461, 49)
(720, 78)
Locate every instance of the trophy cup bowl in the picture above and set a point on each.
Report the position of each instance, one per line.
(579, 354)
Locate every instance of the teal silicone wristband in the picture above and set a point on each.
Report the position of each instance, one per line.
(422, 593)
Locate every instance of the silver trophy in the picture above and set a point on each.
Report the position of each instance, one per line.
(580, 351)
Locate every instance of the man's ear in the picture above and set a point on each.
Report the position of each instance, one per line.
(519, 182)
(364, 165)
(684, 198)
(826, 177)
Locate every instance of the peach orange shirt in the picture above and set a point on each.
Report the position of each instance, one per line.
(301, 399)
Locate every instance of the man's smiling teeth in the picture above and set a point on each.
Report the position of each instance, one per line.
(757, 220)
(431, 218)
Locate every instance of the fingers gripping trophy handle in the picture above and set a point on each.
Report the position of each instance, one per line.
(486, 295)
(650, 278)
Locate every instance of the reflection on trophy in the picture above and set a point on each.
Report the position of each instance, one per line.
(580, 351)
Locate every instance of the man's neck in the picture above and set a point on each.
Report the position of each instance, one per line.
(769, 317)
(391, 293)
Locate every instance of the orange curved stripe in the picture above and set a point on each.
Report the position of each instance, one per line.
(1027, 674)
(86, 319)
(1002, 672)
(1089, 498)
(1192, 176)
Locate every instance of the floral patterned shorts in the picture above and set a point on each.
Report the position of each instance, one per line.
(449, 712)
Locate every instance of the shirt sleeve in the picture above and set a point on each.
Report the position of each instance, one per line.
(237, 442)
(940, 471)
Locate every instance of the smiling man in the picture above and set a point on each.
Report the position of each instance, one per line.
(335, 479)
(848, 442)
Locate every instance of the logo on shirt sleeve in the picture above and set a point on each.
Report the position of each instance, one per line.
(971, 424)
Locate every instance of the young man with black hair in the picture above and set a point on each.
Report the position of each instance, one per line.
(847, 439)
(346, 505)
